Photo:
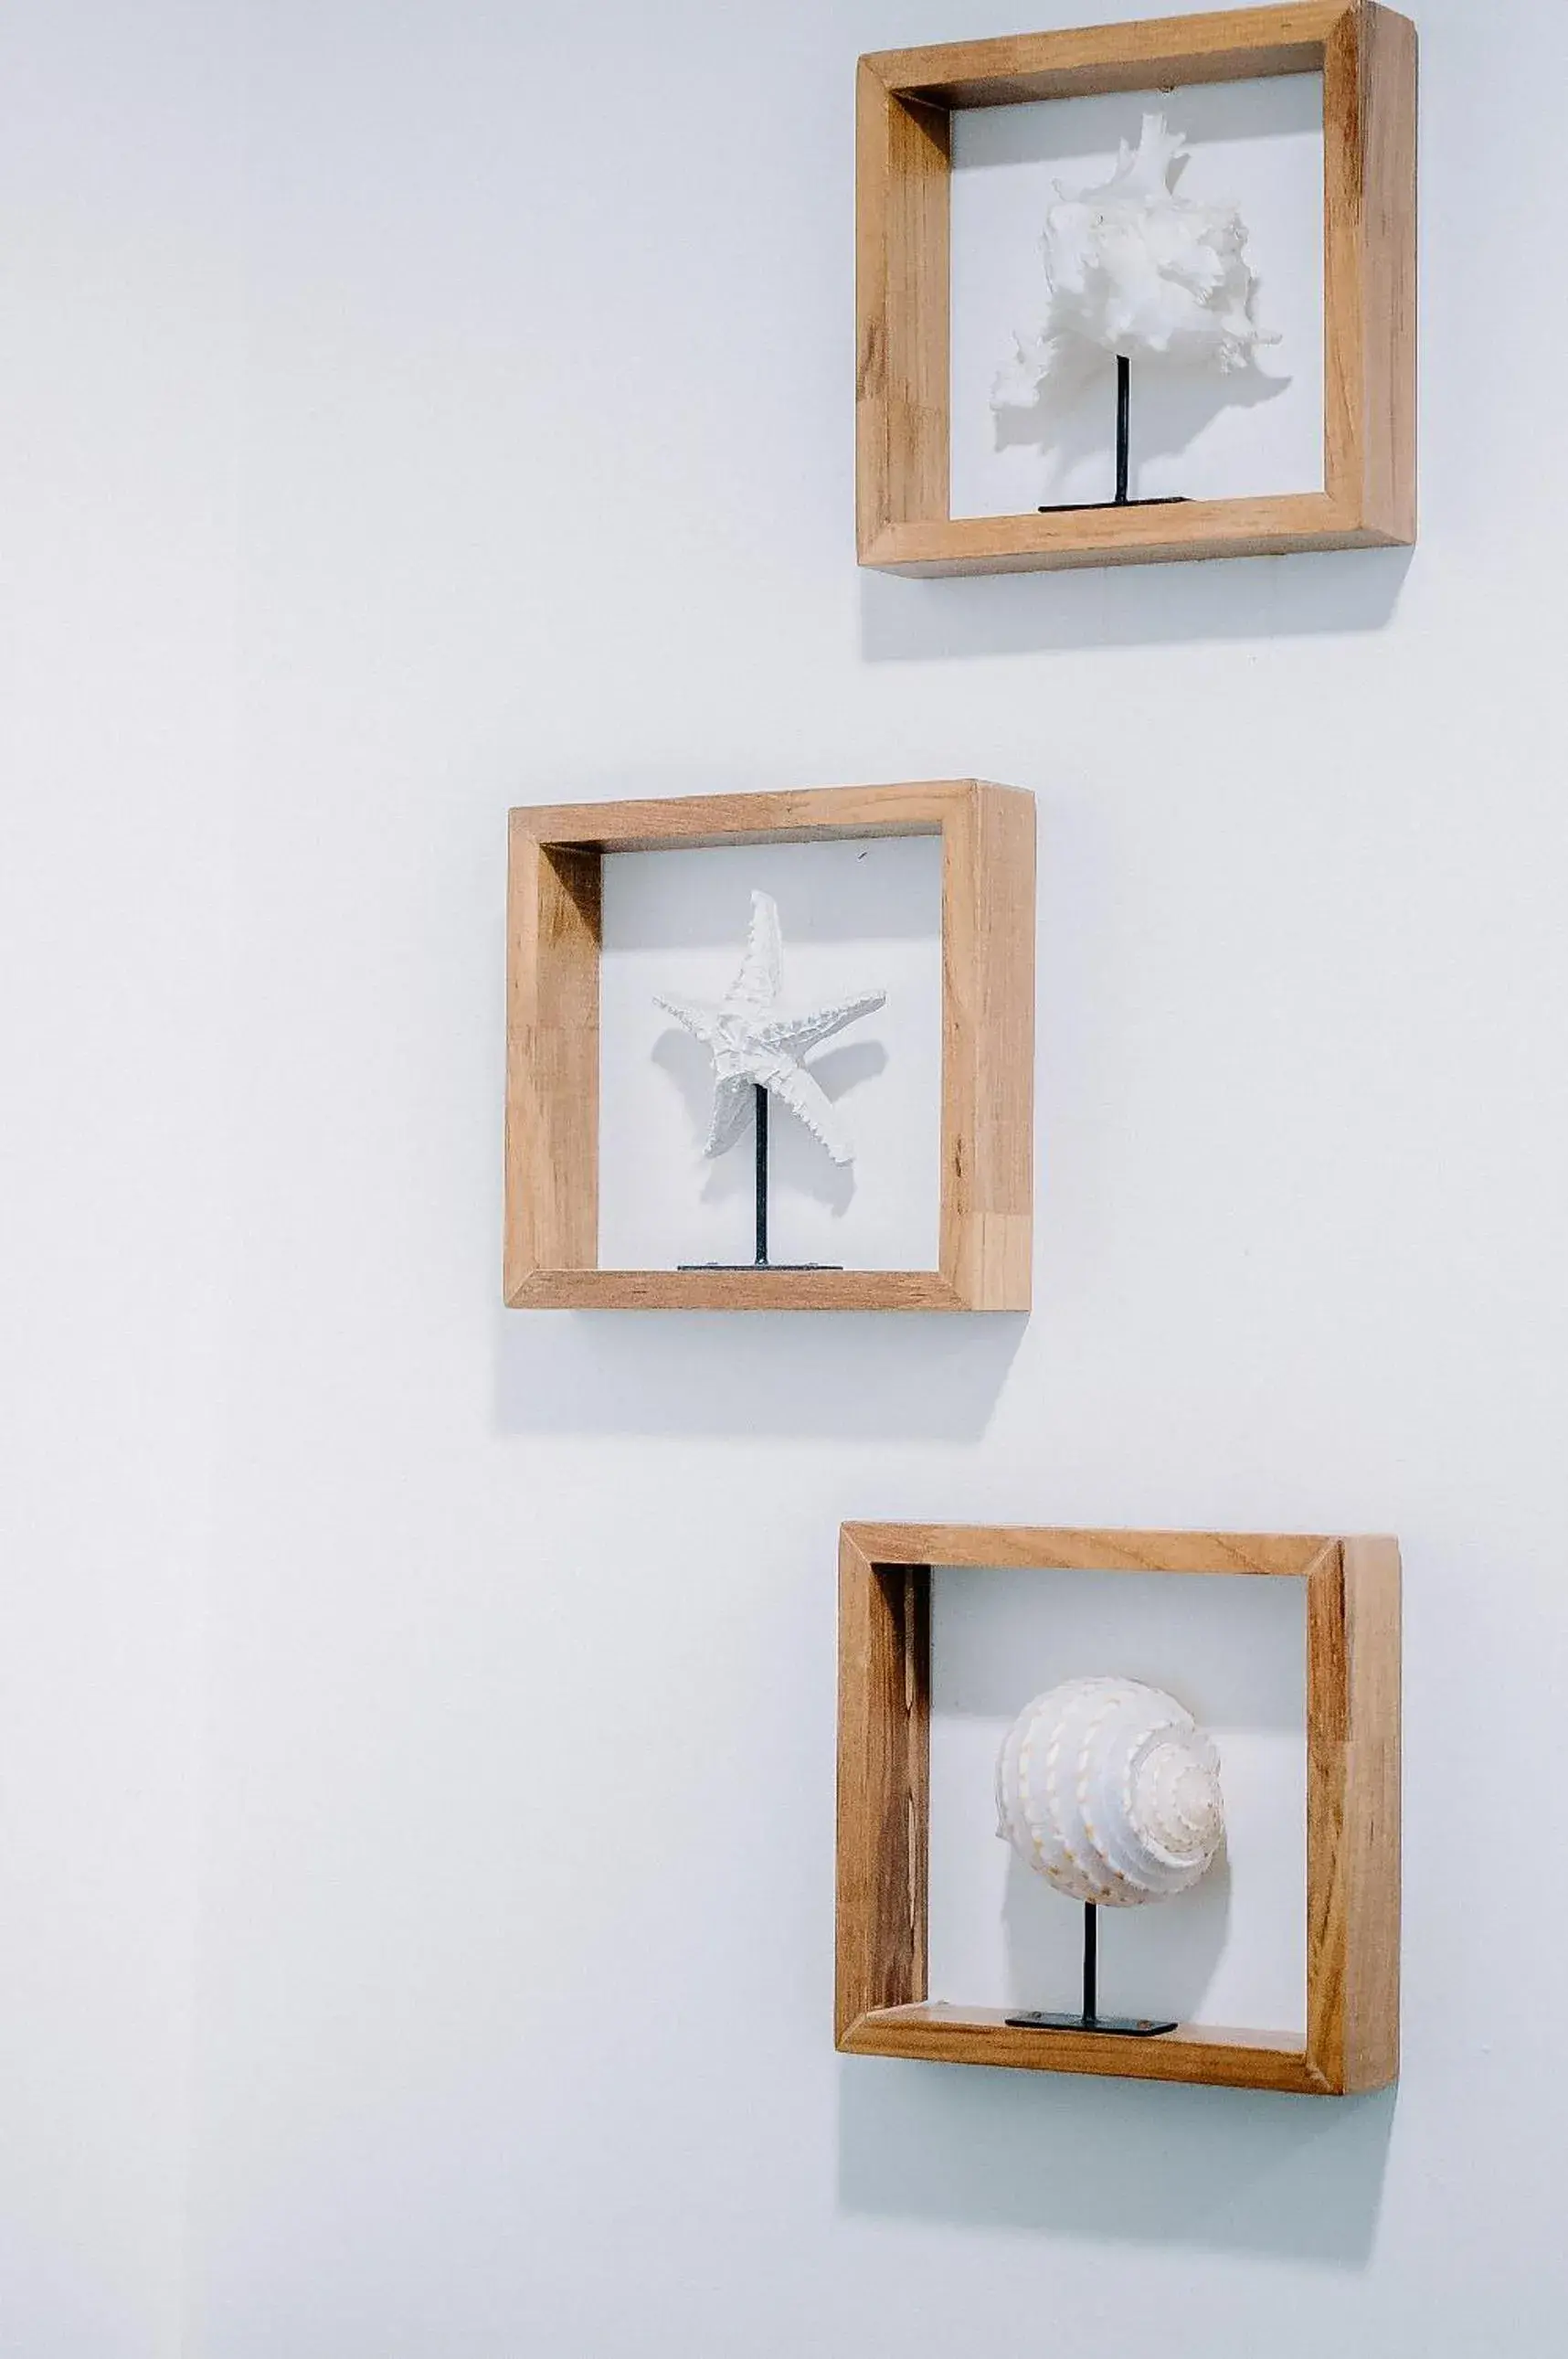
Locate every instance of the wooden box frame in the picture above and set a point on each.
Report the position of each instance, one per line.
(987, 1045)
(1353, 1807)
(907, 100)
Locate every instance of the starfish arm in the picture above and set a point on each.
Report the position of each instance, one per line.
(795, 1034)
(752, 1046)
(757, 985)
(732, 1104)
(805, 1098)
(699, 1020)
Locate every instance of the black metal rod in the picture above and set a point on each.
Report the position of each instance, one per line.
(1091, 1930)
(761, 1118)
(1123, 424)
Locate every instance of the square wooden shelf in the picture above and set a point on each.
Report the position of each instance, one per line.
(985, 1240)
(1366, 55)
(1353, 1807)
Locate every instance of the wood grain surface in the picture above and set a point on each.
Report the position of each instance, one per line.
(1193, 2052)
(1366, 54)
(985, 1217)
(552, 1058)
(1352, 1739)
(1227, 45)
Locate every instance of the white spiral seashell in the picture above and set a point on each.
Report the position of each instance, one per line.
(1111, 1791)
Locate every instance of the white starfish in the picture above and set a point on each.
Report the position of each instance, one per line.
(754, 1045)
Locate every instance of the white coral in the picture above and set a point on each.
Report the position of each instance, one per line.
(1133, 269)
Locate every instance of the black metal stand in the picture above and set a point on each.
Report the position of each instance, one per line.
(1123, 453)
(1123, 425)
(760, 1260)
(1127, 2027)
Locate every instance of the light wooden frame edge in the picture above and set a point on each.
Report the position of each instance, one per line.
(553, 927)
(1353, 1807)
(906, 99)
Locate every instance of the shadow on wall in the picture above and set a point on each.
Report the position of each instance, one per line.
(1224, 2170)
(1073, 418)
(1044, 1935)
(743, 1372)
(1233, 1652)
(796, 1162)
(1129, 605)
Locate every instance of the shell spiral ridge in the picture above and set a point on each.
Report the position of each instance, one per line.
(1111, 1790)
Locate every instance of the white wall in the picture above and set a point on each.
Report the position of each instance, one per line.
(1231, 1951)
(513, 2033)
(1198, 433)
(854, 918)
(118, 316)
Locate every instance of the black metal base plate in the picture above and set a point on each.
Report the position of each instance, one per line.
(762, 1268)
(1125, 2027)
(1075, 507)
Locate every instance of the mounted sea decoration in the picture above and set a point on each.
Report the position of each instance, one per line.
(1111, 1790)
(1133, 269)
(757, 1047)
